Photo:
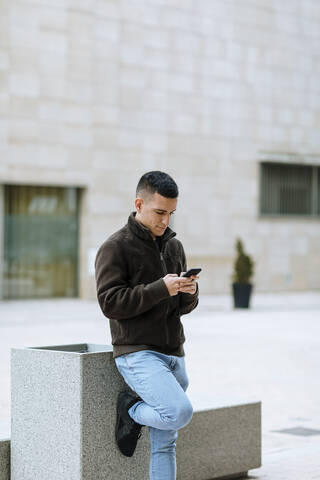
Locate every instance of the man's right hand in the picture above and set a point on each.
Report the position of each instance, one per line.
(173, 283)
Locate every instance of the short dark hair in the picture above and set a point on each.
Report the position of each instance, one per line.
(159, 182)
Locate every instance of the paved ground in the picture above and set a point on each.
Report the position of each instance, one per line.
(269, 353)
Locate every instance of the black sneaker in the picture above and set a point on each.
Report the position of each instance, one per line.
(127, 430)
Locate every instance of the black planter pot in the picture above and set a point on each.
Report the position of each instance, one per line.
(241, 294)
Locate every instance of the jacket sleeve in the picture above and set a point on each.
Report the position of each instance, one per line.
(187, 301)
(116, 298)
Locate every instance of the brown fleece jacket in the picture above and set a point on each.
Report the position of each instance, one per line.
(131, 292)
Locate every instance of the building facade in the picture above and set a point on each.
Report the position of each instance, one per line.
(224, 95)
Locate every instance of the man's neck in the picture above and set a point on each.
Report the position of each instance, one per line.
(138, 220)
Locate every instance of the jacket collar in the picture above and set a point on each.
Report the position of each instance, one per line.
(143, 232)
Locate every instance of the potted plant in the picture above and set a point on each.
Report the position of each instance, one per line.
(243, 271)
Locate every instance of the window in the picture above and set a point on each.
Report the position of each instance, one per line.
(289, 189)
(40, 242)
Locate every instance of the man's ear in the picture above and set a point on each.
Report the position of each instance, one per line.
(138, 203)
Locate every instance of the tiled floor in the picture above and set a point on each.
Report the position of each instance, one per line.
(270, 352)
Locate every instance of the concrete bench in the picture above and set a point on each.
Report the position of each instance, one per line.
(221, 442)
(63, 420)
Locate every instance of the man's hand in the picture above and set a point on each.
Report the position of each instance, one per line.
(177, 284)
(190, 286)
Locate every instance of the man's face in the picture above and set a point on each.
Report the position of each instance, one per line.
(154, 212)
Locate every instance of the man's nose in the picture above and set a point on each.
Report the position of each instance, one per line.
(166, 220)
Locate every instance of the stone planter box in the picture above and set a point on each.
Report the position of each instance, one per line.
(63, 415)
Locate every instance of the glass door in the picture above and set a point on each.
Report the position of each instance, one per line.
(41, 227)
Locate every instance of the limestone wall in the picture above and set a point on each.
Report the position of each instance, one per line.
(96, 92)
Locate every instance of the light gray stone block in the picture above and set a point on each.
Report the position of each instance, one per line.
(63, 420)
(220, 442)
(63, 416)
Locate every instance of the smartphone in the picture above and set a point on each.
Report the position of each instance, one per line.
(192, 271)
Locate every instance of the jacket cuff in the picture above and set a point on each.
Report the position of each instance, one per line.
(158, 289)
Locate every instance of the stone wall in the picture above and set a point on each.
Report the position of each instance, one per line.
(96, 92)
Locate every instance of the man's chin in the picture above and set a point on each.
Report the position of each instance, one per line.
(159, 232)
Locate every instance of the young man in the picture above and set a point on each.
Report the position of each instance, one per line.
(141, 290)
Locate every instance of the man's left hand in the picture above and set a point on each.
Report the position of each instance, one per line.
(189, 284)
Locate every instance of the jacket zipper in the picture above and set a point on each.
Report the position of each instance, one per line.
(164, 269)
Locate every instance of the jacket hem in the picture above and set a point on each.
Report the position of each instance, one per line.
(119, 350)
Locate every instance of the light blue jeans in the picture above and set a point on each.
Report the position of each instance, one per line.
(161, 381)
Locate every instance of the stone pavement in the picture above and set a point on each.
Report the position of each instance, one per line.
(270, 353)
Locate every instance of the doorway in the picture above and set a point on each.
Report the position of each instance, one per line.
(41, 230)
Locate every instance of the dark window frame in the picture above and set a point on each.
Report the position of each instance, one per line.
(314, 211)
